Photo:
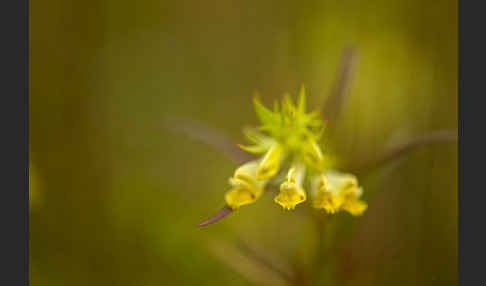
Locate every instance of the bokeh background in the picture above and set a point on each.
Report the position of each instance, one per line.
(115, 197)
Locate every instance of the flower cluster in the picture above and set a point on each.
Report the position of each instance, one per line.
(287, 141)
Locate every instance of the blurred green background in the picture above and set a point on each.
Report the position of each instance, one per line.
(115, 198)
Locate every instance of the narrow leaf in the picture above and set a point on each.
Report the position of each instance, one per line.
(207, 135)
(333, 105)
(302, 100)
(398, 150)
(226, 210)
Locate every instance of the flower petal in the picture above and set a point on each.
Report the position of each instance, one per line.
(270, 163)
(290, 195)
(240, 195)
(354, 206)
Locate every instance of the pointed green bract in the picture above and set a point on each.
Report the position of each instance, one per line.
(261, 142)
(265, 115)
(302, 100)
(289, 125)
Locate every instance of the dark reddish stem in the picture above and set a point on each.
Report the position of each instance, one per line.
(226, 210)
(334, 102)
(207, 135)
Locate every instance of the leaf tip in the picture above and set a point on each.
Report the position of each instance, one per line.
(226, 210)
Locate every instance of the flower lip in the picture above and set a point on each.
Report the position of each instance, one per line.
(239, 196)
(290, 195)
(291, 192)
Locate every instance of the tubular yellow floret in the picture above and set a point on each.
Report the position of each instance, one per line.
(334, 191)
(313, 154)
(239, 196)
(270, 163)
(291, 191)
(246, 189)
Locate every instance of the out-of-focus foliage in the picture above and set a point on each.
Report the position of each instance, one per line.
(121, 196)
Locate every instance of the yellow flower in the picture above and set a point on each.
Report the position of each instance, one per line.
(270, 164)
(291, 191)
(289, 134)
(335, 191)
(246, 189)
(312, 154)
